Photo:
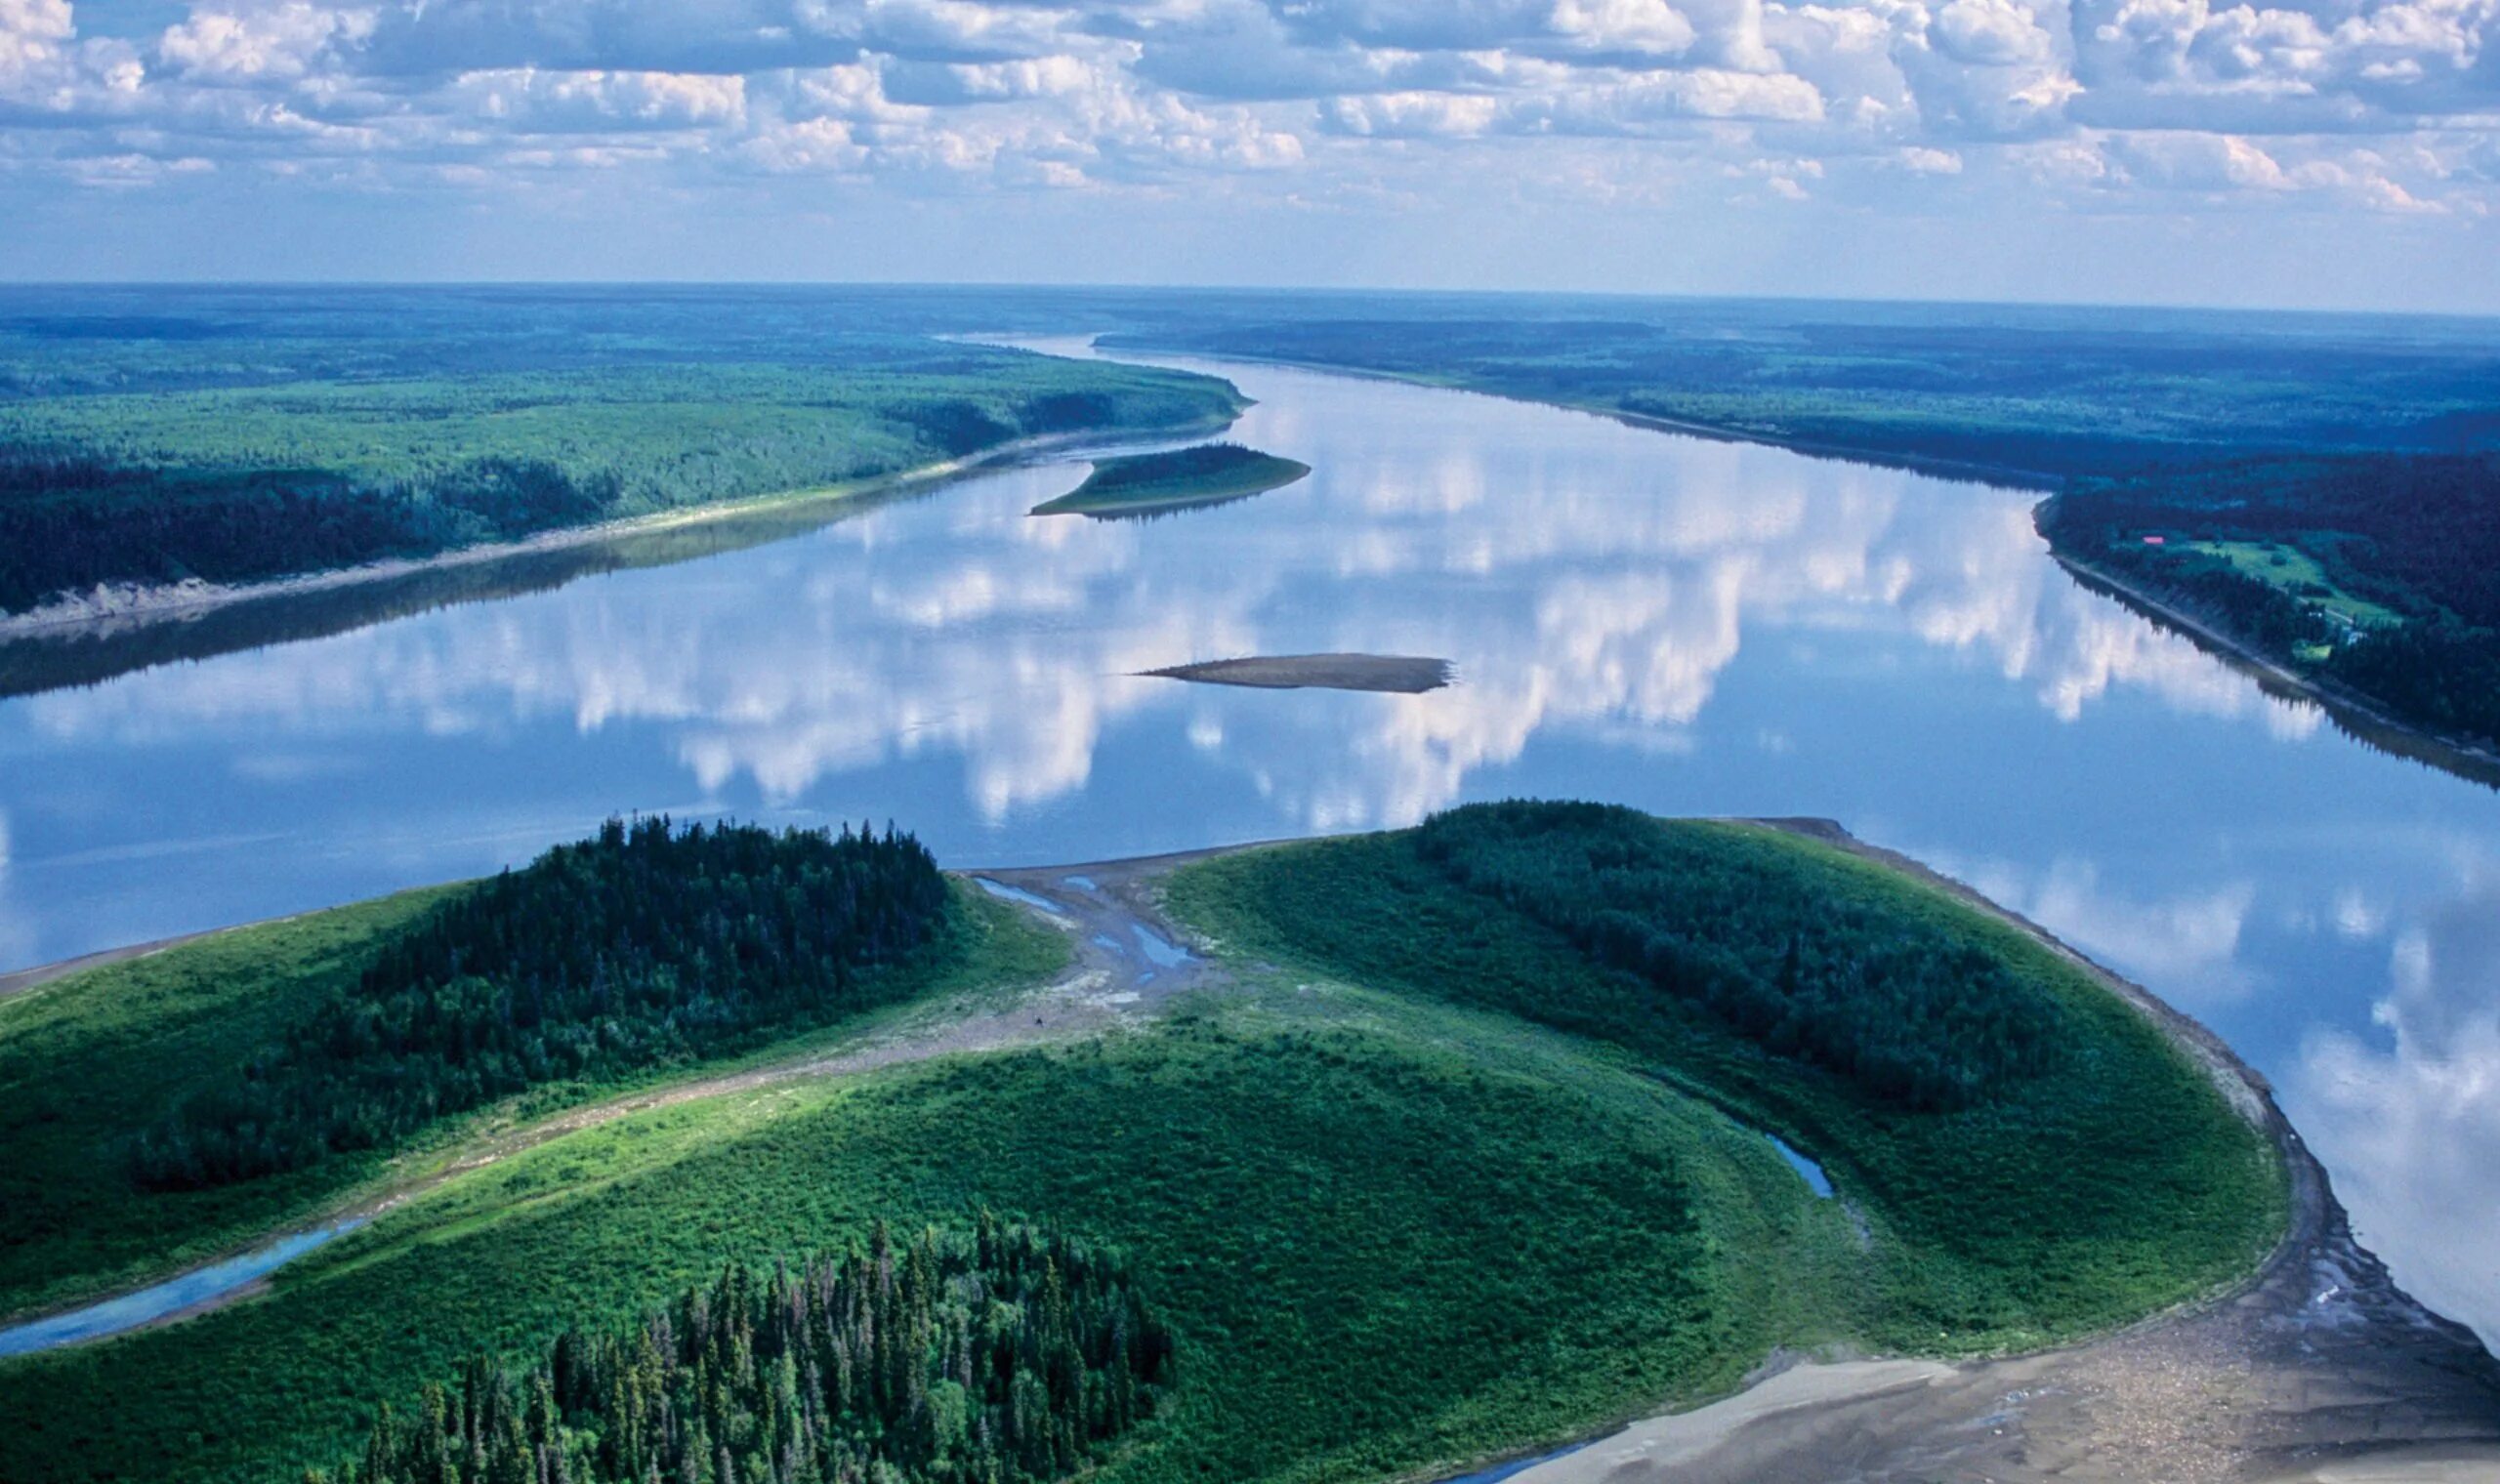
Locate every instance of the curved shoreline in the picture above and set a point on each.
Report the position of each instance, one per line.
(2356, 713)
(137, 604)
(2316, 1352)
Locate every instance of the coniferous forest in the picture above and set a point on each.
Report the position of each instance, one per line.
(642, 945)
(2418, 534)
(1008, 1356)
(1908, 1016)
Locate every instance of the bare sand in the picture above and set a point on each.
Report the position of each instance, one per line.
(1398, 674)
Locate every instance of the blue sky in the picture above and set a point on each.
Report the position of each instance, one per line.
(2296, 153)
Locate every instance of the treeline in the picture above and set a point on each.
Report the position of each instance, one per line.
(1010, 1356)
(1177, 466)
(642, 945)
(1853, 985)
(241, 486)
(2418, 533)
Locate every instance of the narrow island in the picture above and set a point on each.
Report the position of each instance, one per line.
(2369, 580)
(1182, 478)
(1390, 674)
(1374, 1157)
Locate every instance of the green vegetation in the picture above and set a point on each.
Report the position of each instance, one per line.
(639, 946)
(2066, 1193)
(151, 1036)
(2296, 574)
(1000, 1358)
(2034, 395)
(1382, 1235)
(2376, 574)
(1425, 1180)
(1151, 483)
(241, 483)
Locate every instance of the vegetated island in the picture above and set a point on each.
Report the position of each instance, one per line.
(122, 502)
(1181, 478)
(2373, 580)
(1447, 1145)
(1393, 673)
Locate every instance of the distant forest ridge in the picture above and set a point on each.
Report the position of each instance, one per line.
(238, 484)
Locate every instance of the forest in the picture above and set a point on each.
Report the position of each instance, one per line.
(2417, 534)
(2026, 395)
(1852, 985)
(1149, 484)
(1006, 1356)
(642, 945)
(236, 484)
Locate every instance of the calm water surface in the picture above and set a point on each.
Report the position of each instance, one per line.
(1683, 626)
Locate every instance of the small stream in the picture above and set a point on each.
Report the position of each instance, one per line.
(130, 1311)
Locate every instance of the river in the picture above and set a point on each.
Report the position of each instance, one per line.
(1685, 626)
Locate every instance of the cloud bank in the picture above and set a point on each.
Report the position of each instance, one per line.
(1886, 107)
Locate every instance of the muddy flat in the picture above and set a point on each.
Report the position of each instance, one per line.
(1394, 673)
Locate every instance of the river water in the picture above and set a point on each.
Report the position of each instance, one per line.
(1689, 627)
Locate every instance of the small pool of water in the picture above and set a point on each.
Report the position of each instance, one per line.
(1158, 950)
(1815, 1180)
(1031, 899)
(113, 1316)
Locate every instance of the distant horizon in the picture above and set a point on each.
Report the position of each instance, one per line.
(1106, 286)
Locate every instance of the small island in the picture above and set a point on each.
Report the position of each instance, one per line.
(1179, 478)
(1389, 674)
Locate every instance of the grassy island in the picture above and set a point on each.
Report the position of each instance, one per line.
(1184, 479)
(1457, 1149)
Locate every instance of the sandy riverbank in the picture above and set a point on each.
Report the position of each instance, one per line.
(120, 606)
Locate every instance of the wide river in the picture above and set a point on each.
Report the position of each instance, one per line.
(1689, 627)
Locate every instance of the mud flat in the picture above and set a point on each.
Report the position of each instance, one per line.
(1396, 674)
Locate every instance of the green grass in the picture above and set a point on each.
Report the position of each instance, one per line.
(1409, 1189)
(88, 1062)
(1149, 483)
(2113, 1184)
(2297, 573)
(1388, 1236)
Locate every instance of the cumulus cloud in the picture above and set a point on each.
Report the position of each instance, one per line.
(2090, 102)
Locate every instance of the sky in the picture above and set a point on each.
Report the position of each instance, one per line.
(2298, 154)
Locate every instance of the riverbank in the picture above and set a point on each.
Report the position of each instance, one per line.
(119, 608)
(2356, 713)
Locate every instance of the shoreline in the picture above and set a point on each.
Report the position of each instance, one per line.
(2365, 719)
(140, 605)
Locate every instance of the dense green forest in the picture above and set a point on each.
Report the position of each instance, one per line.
(2036, 397)
(1006, 1356)
(2039, 1150)
(1207, 473)
(645, 944)
(2413, 536)
(1848, 982)
(236, 484)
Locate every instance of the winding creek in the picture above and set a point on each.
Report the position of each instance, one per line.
(1689, 627)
